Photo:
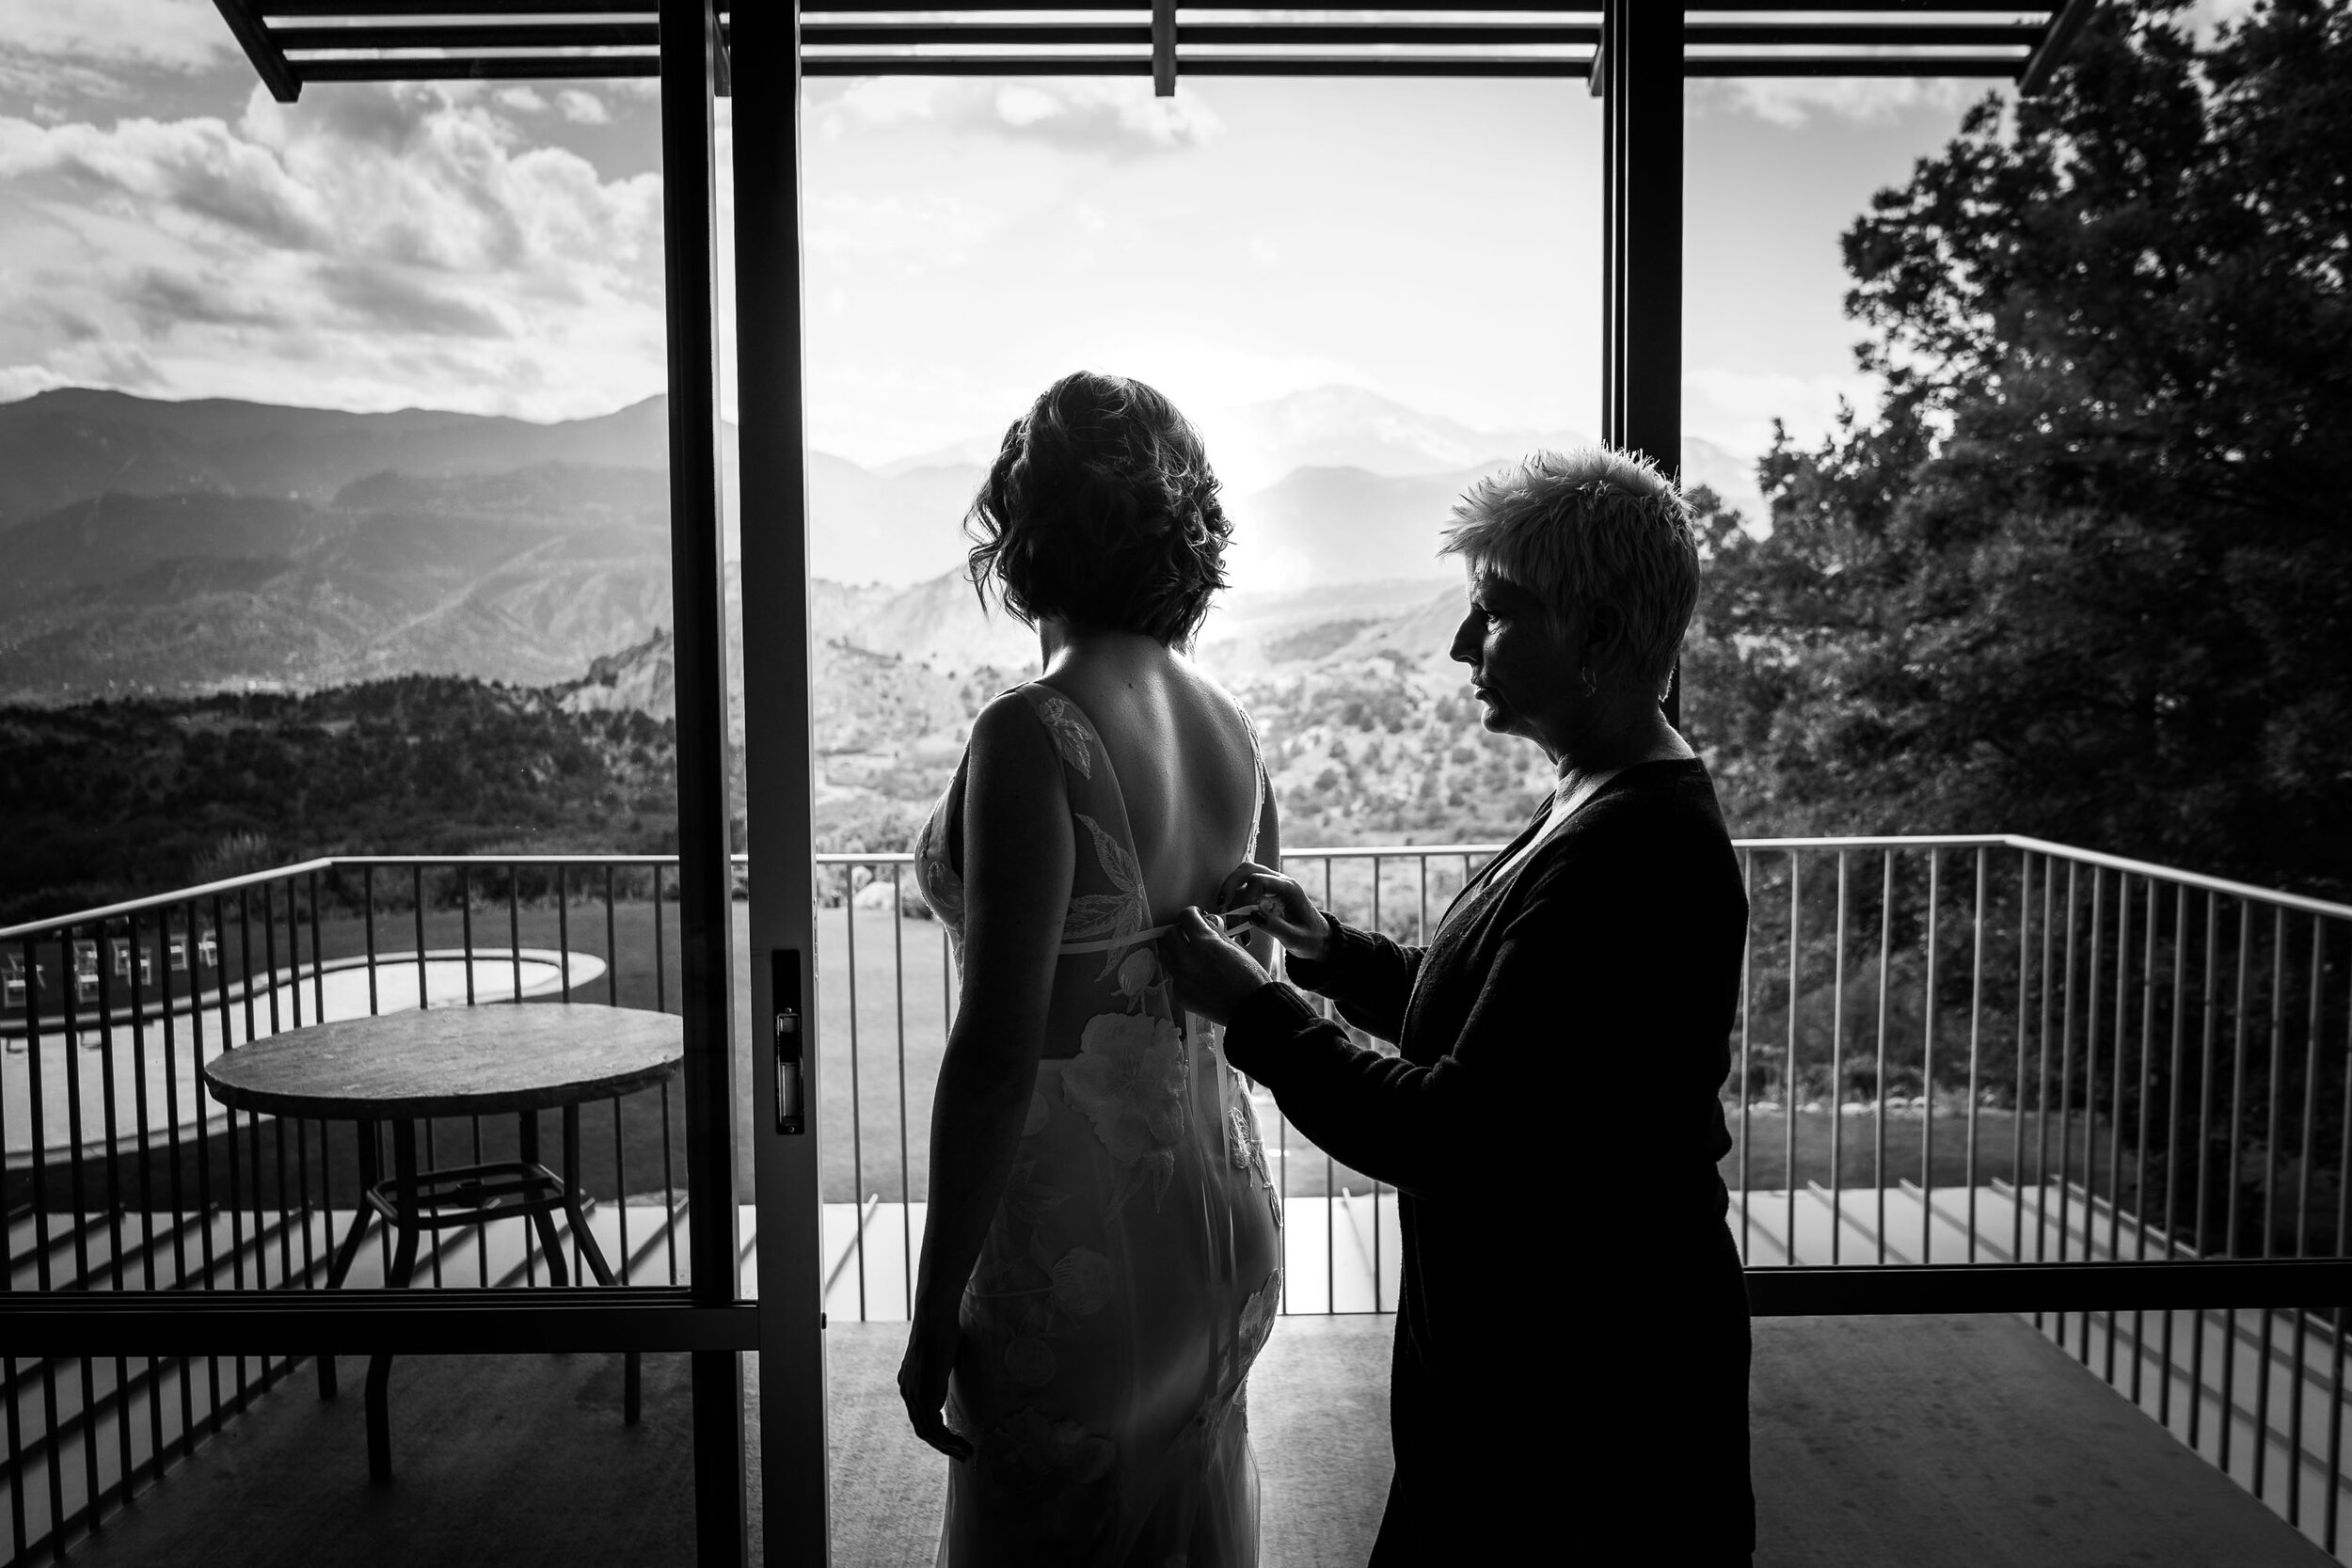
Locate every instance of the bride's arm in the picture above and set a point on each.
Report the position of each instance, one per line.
(1018, 860)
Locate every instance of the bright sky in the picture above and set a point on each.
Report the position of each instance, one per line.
(167, 230)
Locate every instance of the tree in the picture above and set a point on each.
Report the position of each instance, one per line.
(2087, 572)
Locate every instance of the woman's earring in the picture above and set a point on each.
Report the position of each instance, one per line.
(1585, 675)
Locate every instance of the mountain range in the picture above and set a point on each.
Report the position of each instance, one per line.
(199, 545)
(180, 549)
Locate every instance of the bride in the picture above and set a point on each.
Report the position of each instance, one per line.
(1101, 1262)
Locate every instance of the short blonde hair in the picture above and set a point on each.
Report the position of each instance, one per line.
(1594, 526)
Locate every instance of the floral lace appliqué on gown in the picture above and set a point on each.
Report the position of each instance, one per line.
(1130, 1273)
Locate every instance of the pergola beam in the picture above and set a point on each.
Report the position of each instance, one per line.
(2056, 40)
(522, 68)
(269, 61)
(291, 41)
(2000, 67)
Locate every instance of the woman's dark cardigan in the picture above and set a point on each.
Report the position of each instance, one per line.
(1572, 1341)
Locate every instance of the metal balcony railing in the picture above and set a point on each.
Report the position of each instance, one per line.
(1961, 1053)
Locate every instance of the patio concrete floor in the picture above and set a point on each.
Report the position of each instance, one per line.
(1963, 1441)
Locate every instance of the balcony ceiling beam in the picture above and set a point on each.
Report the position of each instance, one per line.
(2000, 66)
(493, 9)
(269, 60)
(2051, 51)
(520, 67)
(293, 42)
(502, 34)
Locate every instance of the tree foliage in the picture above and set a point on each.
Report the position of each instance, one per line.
(2087, 572)
(109, 799)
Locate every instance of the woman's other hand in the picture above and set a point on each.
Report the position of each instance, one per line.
(1213, 972)
(1284, 909)
(923, 1380)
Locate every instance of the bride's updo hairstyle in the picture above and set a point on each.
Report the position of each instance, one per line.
(1101, 511)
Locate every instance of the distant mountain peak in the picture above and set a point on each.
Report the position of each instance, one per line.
(115, 401)
(71, 443)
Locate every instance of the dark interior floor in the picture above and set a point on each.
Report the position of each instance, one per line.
(1964, 1441)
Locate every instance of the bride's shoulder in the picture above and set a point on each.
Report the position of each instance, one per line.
(1012, 730)
(1011, 710)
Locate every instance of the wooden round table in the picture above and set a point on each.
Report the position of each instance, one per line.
(406, 1066)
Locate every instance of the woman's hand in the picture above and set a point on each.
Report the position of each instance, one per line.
(1284, 912)
(1214, 973)
(923, 1380)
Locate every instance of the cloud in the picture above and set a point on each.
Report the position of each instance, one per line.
(1793, 100)
(2204, 16)
(872, 103)
(362, 250)
(909, 235)
(394, 299)
(192, 175)
(522, 99)
(22, 381)
(1116, 117)
(164, 301)
(582, 108)
(177, 35)
(44, 84)
(1737, 407)
(58, 52)
(108, 362)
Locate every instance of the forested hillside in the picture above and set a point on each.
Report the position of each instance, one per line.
(1368, 732)
(110, 799)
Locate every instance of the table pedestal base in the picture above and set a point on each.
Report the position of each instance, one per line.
(414, 1202)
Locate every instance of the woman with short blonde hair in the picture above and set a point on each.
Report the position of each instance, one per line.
(1570, 1381)
(1585, 527)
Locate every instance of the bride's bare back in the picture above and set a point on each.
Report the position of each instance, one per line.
(1182, 752)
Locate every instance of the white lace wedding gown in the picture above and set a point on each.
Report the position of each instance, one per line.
(1132, 1272)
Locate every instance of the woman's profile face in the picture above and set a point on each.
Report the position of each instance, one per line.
(1520, 666)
